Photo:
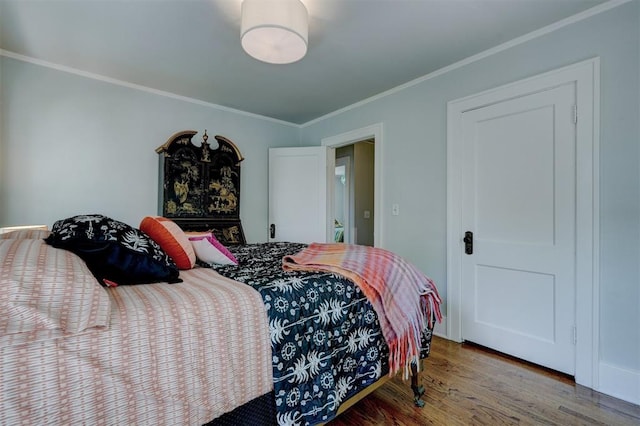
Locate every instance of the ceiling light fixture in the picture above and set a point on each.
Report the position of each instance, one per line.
(275, 31)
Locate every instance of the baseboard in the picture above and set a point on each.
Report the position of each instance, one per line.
(619, 382)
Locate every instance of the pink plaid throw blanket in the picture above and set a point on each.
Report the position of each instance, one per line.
(403, 297)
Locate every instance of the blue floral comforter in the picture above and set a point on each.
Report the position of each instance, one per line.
(325, 336)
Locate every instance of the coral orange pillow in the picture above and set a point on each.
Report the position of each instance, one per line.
(171, 238)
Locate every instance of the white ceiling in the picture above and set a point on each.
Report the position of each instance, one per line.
(357, 48)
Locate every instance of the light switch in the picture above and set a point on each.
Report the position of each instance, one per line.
(395, 209)
(367, 214)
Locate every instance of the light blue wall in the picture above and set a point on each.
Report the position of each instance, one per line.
(70, 144)
(73, 145)
(414, 158)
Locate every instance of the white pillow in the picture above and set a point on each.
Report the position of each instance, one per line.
(209, 250)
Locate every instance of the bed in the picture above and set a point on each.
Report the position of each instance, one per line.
(239, 334)
(76, 352)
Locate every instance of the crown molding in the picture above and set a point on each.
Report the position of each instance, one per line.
(479, 56)
(139, 87)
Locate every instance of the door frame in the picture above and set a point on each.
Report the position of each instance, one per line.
(373, 131)
(586, 76)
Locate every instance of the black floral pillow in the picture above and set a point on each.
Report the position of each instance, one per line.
(115, 252)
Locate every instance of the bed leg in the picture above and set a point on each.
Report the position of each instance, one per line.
(418, 390)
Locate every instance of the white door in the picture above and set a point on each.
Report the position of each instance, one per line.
(298, 194)
(519, 197)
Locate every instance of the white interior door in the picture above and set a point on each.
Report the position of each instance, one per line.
(519, 198)
(298, 194)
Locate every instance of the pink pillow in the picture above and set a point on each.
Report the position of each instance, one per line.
(209, 250)
(171, 239)
(47, 293)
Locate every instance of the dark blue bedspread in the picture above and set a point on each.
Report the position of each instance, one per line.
(325, 336)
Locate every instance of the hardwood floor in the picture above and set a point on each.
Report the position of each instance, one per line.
(470, 385)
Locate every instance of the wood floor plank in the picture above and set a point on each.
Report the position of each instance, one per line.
(470, 385)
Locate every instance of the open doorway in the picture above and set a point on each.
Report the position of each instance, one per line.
(364, 147)
(354, 194)
(343, 198)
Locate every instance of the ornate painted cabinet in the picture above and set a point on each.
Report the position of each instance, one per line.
(200, 186)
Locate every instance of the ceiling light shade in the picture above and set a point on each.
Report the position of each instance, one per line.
(275, 31)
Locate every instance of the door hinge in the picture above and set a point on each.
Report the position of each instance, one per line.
(575, 335)
(575, 114)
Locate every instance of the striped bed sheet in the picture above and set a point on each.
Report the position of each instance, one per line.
(172, 354)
